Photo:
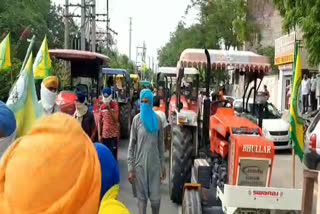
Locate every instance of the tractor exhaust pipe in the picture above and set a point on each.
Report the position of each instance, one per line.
(206, 104)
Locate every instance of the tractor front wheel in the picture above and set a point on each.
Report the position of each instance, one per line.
(181, 157)
(125, 120)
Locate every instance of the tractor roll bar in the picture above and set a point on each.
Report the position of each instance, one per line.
(206, 108)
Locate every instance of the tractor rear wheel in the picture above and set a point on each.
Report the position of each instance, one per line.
(191, 203)
(125, 120)
(181, 157)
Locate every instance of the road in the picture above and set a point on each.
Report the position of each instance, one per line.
(281, 177)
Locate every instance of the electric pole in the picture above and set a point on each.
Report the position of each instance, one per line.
(82, 27)
(66, 25)
(108, 25)
(93, 27)
(130, 34)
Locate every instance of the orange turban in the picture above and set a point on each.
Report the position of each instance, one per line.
(54, 169)
(51, 81)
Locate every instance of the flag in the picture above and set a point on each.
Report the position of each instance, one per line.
(296, 121)
(144, 68)
(5, 58)
(23, 100)
(42, 66)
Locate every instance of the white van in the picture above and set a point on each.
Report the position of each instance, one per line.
(274, 127)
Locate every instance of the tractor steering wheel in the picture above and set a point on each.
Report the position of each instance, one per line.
(225, 103)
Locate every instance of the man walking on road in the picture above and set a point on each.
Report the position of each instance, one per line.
(305, 89)
(313, 99)
(108, 122)
(146, 155)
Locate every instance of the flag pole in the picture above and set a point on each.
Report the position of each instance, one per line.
(293, 168)
(28, 53)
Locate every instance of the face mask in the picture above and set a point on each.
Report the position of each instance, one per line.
(48, 98)
(81, 109)
(107, 100)
(5, 142)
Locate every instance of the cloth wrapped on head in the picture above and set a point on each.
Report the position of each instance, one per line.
(109, 168)
(7, 121)
(8, 127)
(147, 115)
(110, 204)
(81, 97)
(106, 91)
(51, 82)
(53, 169)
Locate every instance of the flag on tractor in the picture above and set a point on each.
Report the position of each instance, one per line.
(296, 121)
(42, 66)
(23, 100)
(5, 58)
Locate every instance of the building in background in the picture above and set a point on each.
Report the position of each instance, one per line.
(269, 23)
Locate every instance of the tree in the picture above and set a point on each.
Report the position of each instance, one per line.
(305, 15)
(35, 16)
(118, 60)
(180, 40)
(269, 51)
(221, 23)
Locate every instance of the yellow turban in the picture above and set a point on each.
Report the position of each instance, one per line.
(51, 81)
(110, 204)
(54, 169)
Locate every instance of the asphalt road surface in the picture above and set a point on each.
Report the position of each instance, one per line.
(281, 177)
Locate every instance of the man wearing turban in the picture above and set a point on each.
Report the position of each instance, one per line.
(51, 170)
(48, 92)
(146, 155)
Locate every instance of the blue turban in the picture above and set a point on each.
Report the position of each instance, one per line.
(107, 91)
(7, 120)
(109, 168)
(81, 97)
(147, 115)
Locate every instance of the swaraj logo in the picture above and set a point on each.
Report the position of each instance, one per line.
(261, 193)
(252, 170)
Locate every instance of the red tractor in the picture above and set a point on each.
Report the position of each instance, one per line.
(231, 167)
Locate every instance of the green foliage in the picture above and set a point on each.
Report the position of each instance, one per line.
(41, 19)
(118, 60)
(269, 51)
(305, 15)
(180, 40)
(220, 22)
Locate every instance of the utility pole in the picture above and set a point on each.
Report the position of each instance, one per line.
(82, 27)
(66, 25)
(130, 34)
(93, 27)
(108, 25)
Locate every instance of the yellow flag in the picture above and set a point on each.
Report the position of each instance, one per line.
(42, 66)
(5, 58)
(23, 100)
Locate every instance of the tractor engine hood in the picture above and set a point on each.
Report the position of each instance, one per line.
(251, 160)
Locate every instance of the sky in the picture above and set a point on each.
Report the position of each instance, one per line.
(152, 21)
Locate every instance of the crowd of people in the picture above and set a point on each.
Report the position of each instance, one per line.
(308, 90)
(68, 164)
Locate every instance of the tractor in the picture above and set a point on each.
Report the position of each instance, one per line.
(120, 94)
(229, 169)
(183, 118)
(85, 76)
